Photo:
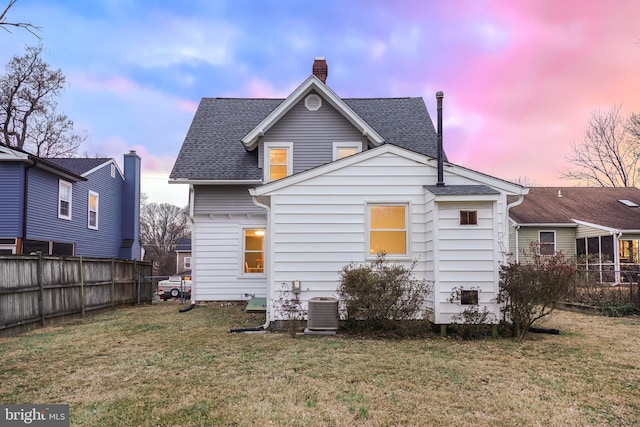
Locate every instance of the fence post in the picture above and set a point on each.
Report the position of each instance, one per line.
(39, 272)
(113, 282)
(137, 279)
(81, 287)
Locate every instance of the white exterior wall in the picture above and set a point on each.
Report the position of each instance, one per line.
(319, 225)
(217, 258)
(466, 256)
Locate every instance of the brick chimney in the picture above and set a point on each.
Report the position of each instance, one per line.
(320, 69)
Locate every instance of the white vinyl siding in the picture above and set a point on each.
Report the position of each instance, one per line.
(320, 225)
(217, 247)
(466, 257)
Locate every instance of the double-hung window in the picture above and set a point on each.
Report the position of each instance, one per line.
(253, 250)
(278, 161)
(93, 210)
(64, 199)
(388, 229)
(547, 242)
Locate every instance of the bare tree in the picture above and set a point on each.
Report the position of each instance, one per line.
(161, 225)
(525, 181)
(4, 24)
(609, 155)
(28, 117)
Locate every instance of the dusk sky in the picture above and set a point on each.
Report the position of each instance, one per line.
(520, 78)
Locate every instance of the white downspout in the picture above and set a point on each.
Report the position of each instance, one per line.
(506, 221)
(194, 283)
(267, 257)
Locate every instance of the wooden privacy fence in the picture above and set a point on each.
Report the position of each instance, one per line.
(35, 290)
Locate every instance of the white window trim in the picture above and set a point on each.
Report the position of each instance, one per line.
(555, 242)
(185, 262)
(407, 217)
(113, 170)
(241, 272)
(62, 183)
(339, 145)
(93, 193)
(467, 225)
(267, 163)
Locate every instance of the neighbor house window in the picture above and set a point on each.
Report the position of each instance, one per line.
(345, 149)
(64, 199)
(113, 170)
(253, 248)
(187, 263)
(547, 242)
(278, 161)
(93, 210)
(388, 229)
(468, 217)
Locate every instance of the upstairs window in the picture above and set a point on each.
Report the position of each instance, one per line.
(278, 161)
(547, 242)
(345, 149)
(113, 170)
(388, 229)
(187, 263)
(468, 217)
(64, 199)
(93, 210)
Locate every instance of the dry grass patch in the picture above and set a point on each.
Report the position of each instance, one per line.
(153, 366)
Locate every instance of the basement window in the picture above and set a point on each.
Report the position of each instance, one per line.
(468, 217)
(469, 297)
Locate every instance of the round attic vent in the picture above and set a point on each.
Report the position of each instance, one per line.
(313, 102)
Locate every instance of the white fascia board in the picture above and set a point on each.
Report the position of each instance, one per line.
(250, 140)
(598, 226)
(7, 153)
(215, 181)
(335, 165)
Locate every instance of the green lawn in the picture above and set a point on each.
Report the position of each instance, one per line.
(154, 366)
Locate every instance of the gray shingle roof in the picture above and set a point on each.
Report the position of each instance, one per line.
(212, 149)
(460, 190)
(78, 165)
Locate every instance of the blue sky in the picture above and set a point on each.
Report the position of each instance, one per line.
(520, 78)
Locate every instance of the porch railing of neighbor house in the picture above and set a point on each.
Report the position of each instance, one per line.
(598, 283)
(37, 290)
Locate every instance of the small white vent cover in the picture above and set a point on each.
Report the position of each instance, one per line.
(313, 102)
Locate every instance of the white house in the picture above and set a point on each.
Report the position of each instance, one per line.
(295, 189)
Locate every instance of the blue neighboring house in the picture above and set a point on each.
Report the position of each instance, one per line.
(73, 206)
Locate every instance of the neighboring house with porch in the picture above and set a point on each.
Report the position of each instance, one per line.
(290, 190)
(600, 224)
(69, 206)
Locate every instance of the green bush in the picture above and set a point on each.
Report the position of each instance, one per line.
(379, 294)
